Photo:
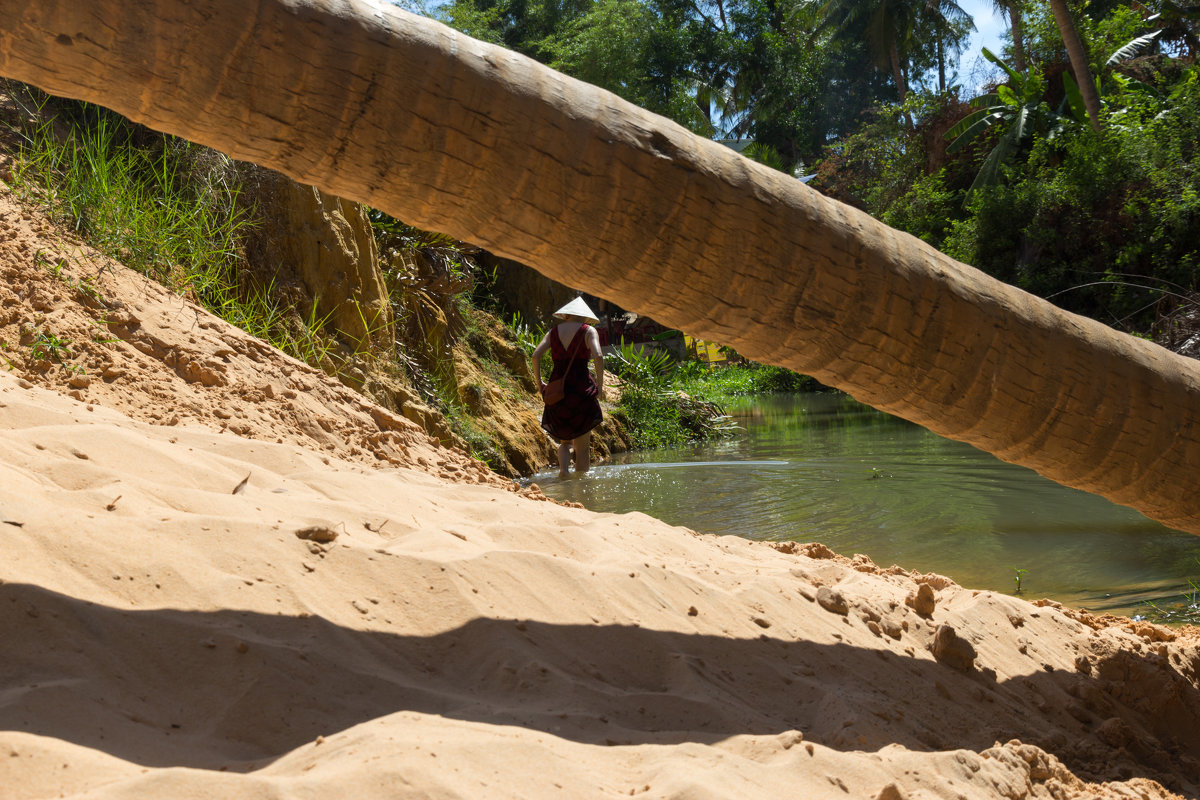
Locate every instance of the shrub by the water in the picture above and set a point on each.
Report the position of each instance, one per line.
(671, 403)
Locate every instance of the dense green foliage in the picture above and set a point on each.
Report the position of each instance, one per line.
(722, 384)
(1019, 184)
(667, 402)
(788, 75)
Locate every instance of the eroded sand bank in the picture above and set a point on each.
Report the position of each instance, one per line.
(317, 600)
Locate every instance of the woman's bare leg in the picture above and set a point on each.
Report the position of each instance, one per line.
(583, 458)
(564, 459)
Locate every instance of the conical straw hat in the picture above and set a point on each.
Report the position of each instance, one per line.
(577, 308)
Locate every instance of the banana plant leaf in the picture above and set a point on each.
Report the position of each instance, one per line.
(1132, 48)
(1074, 98)
(971, 126)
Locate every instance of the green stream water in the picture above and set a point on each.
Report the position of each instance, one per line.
(824, 468)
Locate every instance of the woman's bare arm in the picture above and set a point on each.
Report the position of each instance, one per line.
(536, 360)
(593, 343)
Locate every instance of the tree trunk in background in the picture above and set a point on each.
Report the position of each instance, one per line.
(527, 291)
(898, 72)
(1018, 35)
(941, 59)
(1079, 60)
(326, 243)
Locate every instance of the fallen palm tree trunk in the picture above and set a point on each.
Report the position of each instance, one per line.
(451, 134)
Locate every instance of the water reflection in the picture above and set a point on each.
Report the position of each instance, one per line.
(825, 468)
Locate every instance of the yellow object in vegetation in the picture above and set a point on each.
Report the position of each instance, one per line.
(708, 352)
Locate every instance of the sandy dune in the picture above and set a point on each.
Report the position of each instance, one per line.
(255, 584)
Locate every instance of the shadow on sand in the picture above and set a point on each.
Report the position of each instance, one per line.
(237, 689)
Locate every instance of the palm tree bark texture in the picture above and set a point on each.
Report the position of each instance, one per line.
(1016, 30)
(374, 104)
(1079, 60)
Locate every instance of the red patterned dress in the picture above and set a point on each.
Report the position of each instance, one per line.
(579, 410)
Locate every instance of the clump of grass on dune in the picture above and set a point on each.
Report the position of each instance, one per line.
(148, 200)
(1184, 611)
(170, 209)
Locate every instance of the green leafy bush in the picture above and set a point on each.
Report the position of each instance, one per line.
(653, 421)
(927, 210)
(639, 365)
(724, 383)
(682, 402)
(1098, 223)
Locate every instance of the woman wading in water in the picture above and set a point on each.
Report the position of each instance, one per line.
(571, 418)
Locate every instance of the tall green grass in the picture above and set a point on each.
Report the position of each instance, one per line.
(724, 383)
(163, 206)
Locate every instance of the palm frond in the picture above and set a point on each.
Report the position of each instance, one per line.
(1013, 75)
(1132, 48)
(969, 127)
